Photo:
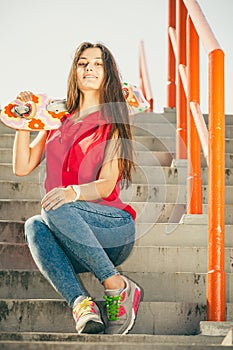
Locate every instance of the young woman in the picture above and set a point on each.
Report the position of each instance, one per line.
(83, 225)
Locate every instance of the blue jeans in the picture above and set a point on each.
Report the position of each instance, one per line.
(79, 237)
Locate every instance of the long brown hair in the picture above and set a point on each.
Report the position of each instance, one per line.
(112, 103)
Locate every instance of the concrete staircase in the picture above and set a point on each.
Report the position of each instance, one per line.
(169, 260)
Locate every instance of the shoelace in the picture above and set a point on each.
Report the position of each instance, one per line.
(83, 308)
(113, 307)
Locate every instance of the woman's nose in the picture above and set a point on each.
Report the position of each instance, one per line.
(89, 66)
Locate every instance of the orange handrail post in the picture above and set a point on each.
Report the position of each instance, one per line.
(216, 295)
(171, 71)
(194, 182)
(181, 105)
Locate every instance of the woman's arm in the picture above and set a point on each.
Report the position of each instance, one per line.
(26, 155)
(105, 184)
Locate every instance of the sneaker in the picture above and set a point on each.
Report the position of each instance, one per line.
(87, 317)
(121, 307)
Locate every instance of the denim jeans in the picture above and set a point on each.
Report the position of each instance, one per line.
(79, 237)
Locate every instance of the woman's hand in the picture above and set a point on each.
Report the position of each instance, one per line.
(25, 96)
(57, 197)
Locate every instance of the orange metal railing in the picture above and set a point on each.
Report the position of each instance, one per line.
(186, 26)
(144, 77)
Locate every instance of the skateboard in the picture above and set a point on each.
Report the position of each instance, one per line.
(42, 113)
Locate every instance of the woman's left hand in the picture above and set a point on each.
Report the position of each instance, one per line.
(56, 198)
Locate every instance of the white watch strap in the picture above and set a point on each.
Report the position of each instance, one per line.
(76, 189)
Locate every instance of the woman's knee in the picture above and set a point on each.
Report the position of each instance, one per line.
(32, 228)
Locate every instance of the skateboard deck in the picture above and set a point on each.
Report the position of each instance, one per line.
(43, 113)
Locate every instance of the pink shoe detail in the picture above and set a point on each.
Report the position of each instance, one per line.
(136, 300)
(121, 311)
(123, 295)
(93, 310)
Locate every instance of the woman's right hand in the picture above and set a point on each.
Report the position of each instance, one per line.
(25, 96)
(26, 154)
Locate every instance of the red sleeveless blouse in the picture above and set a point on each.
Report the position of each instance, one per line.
(75, 154)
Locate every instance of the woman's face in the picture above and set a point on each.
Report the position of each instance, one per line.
(90, 70)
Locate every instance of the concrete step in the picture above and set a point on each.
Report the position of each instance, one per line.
(148, 117)
(164, 193)
(154, 124)
(157, 286)
(169, 115)
(151, 143)
(155, 234)
(166, 143)
(154, 158)
(20, 190)
(188, 287)
(55, 316)
(165, 129)
(154, 129)
(7, 139)
(136, 193)
(172, 175)
(143, 175)
(14, 345)
(142, 143)
(6, 155)
(6, 173)
(228, 160)
(229, 131)
(147, 212)
(11, 231)
(5, 130)
(142, 259)
(64, 341)
(183, 235)
(141, 157)
(115, 338)
(20, 210)
(149, 158)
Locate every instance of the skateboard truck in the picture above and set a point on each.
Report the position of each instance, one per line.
(22, 111)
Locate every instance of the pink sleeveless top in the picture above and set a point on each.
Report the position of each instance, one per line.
(75, 154)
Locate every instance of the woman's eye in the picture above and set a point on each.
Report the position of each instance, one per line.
(81, 64)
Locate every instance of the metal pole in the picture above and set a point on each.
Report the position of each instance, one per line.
(216, 284)
(181, 104)
(194, 182)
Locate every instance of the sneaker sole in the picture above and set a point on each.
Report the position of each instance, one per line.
(92, 327)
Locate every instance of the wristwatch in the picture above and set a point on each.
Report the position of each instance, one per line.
(76, 189)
